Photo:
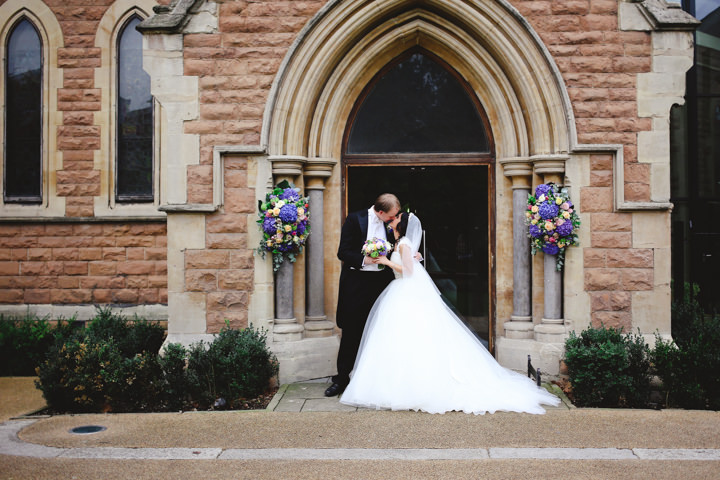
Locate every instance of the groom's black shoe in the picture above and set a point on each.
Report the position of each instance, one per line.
(334, 389)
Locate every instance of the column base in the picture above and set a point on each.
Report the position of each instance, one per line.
(512, 353)
(555, 332)
(318, 327)
(307, 359)
(287, 330)
(519, 327)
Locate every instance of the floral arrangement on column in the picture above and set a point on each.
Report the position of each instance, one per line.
(552, 221)
(284, 220)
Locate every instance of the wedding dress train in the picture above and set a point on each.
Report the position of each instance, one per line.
(416, 354)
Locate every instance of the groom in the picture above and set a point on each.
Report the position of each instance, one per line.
(361, 281)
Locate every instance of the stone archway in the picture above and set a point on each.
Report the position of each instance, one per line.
(495, 51)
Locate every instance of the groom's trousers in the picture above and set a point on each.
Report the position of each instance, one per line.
(358, 292)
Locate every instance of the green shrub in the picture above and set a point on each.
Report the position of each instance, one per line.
(24, 342)
(686, 312)
(607, 368)
(176, 389)
(76, 377)
(132, 336)
(689, 366)
(110, 365)
(236, 365)
(113, 365)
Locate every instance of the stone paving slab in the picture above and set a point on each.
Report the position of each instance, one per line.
(326, 405)
(412, 454)
(289, 398)
(144, 453)
(563, 453)
(305, 390)
(677, 454)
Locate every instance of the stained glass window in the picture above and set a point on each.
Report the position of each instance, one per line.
(417, 106)
(134, 136)
(23, 115)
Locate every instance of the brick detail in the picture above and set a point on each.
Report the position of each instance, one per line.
(83, 263)
(224, 269)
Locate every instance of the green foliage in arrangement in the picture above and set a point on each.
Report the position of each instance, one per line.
(607, 368)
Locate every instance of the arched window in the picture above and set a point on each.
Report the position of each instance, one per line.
(417, 106)
(134, 125)
(23, 115)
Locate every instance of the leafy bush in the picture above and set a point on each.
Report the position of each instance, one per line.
(236, 365)
(113, 364)
(607, 368)
(132, 336)
(689, 367)
(686, 312)
(74, 377)
(110, 365)
(176, 390)
(24, 342)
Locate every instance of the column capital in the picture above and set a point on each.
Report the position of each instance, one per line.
(287, 165)
(550, 164)
(519, 169)
(316, 170)
(516, 166)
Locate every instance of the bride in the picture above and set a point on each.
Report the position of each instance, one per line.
(416, 354)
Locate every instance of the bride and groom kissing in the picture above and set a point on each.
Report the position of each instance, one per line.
(402, 347)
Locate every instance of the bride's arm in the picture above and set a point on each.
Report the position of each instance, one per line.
(386, 261)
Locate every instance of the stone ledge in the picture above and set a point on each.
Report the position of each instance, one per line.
(664, 15)
(169, 18)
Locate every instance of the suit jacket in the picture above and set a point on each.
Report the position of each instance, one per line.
(358, 289)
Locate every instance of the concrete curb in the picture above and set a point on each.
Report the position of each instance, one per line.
(11, 444)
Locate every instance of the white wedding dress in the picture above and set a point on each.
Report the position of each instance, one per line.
(416, 354)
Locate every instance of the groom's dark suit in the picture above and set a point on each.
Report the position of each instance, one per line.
(358, 291)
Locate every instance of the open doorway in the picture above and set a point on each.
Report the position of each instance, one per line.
(453, 203)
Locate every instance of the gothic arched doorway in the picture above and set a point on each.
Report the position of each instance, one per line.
(419, 131)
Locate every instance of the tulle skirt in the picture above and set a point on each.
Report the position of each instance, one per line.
(416, 354)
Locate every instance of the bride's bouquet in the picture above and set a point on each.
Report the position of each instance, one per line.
(376, 247)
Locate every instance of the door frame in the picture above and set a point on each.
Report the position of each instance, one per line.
(431, 159)
(419, 161)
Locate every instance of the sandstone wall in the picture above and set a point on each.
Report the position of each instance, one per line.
(236, 65)
(83, 264)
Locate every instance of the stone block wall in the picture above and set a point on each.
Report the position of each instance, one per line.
(65, 260)
(236, 66)
(65, 264)
(223, 269)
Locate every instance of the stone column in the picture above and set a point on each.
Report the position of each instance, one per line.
(552, 328)
(317, 170)
(286, 327)
(519, 169)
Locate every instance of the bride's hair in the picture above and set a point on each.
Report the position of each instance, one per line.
(402, 224)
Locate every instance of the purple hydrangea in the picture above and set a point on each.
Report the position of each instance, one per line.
(565, 229)
(548, 210)
(535, 231)
(269, 226)
(290, 195)
(288, 213)
(301, 228)
(542, 189)
(550, 248)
